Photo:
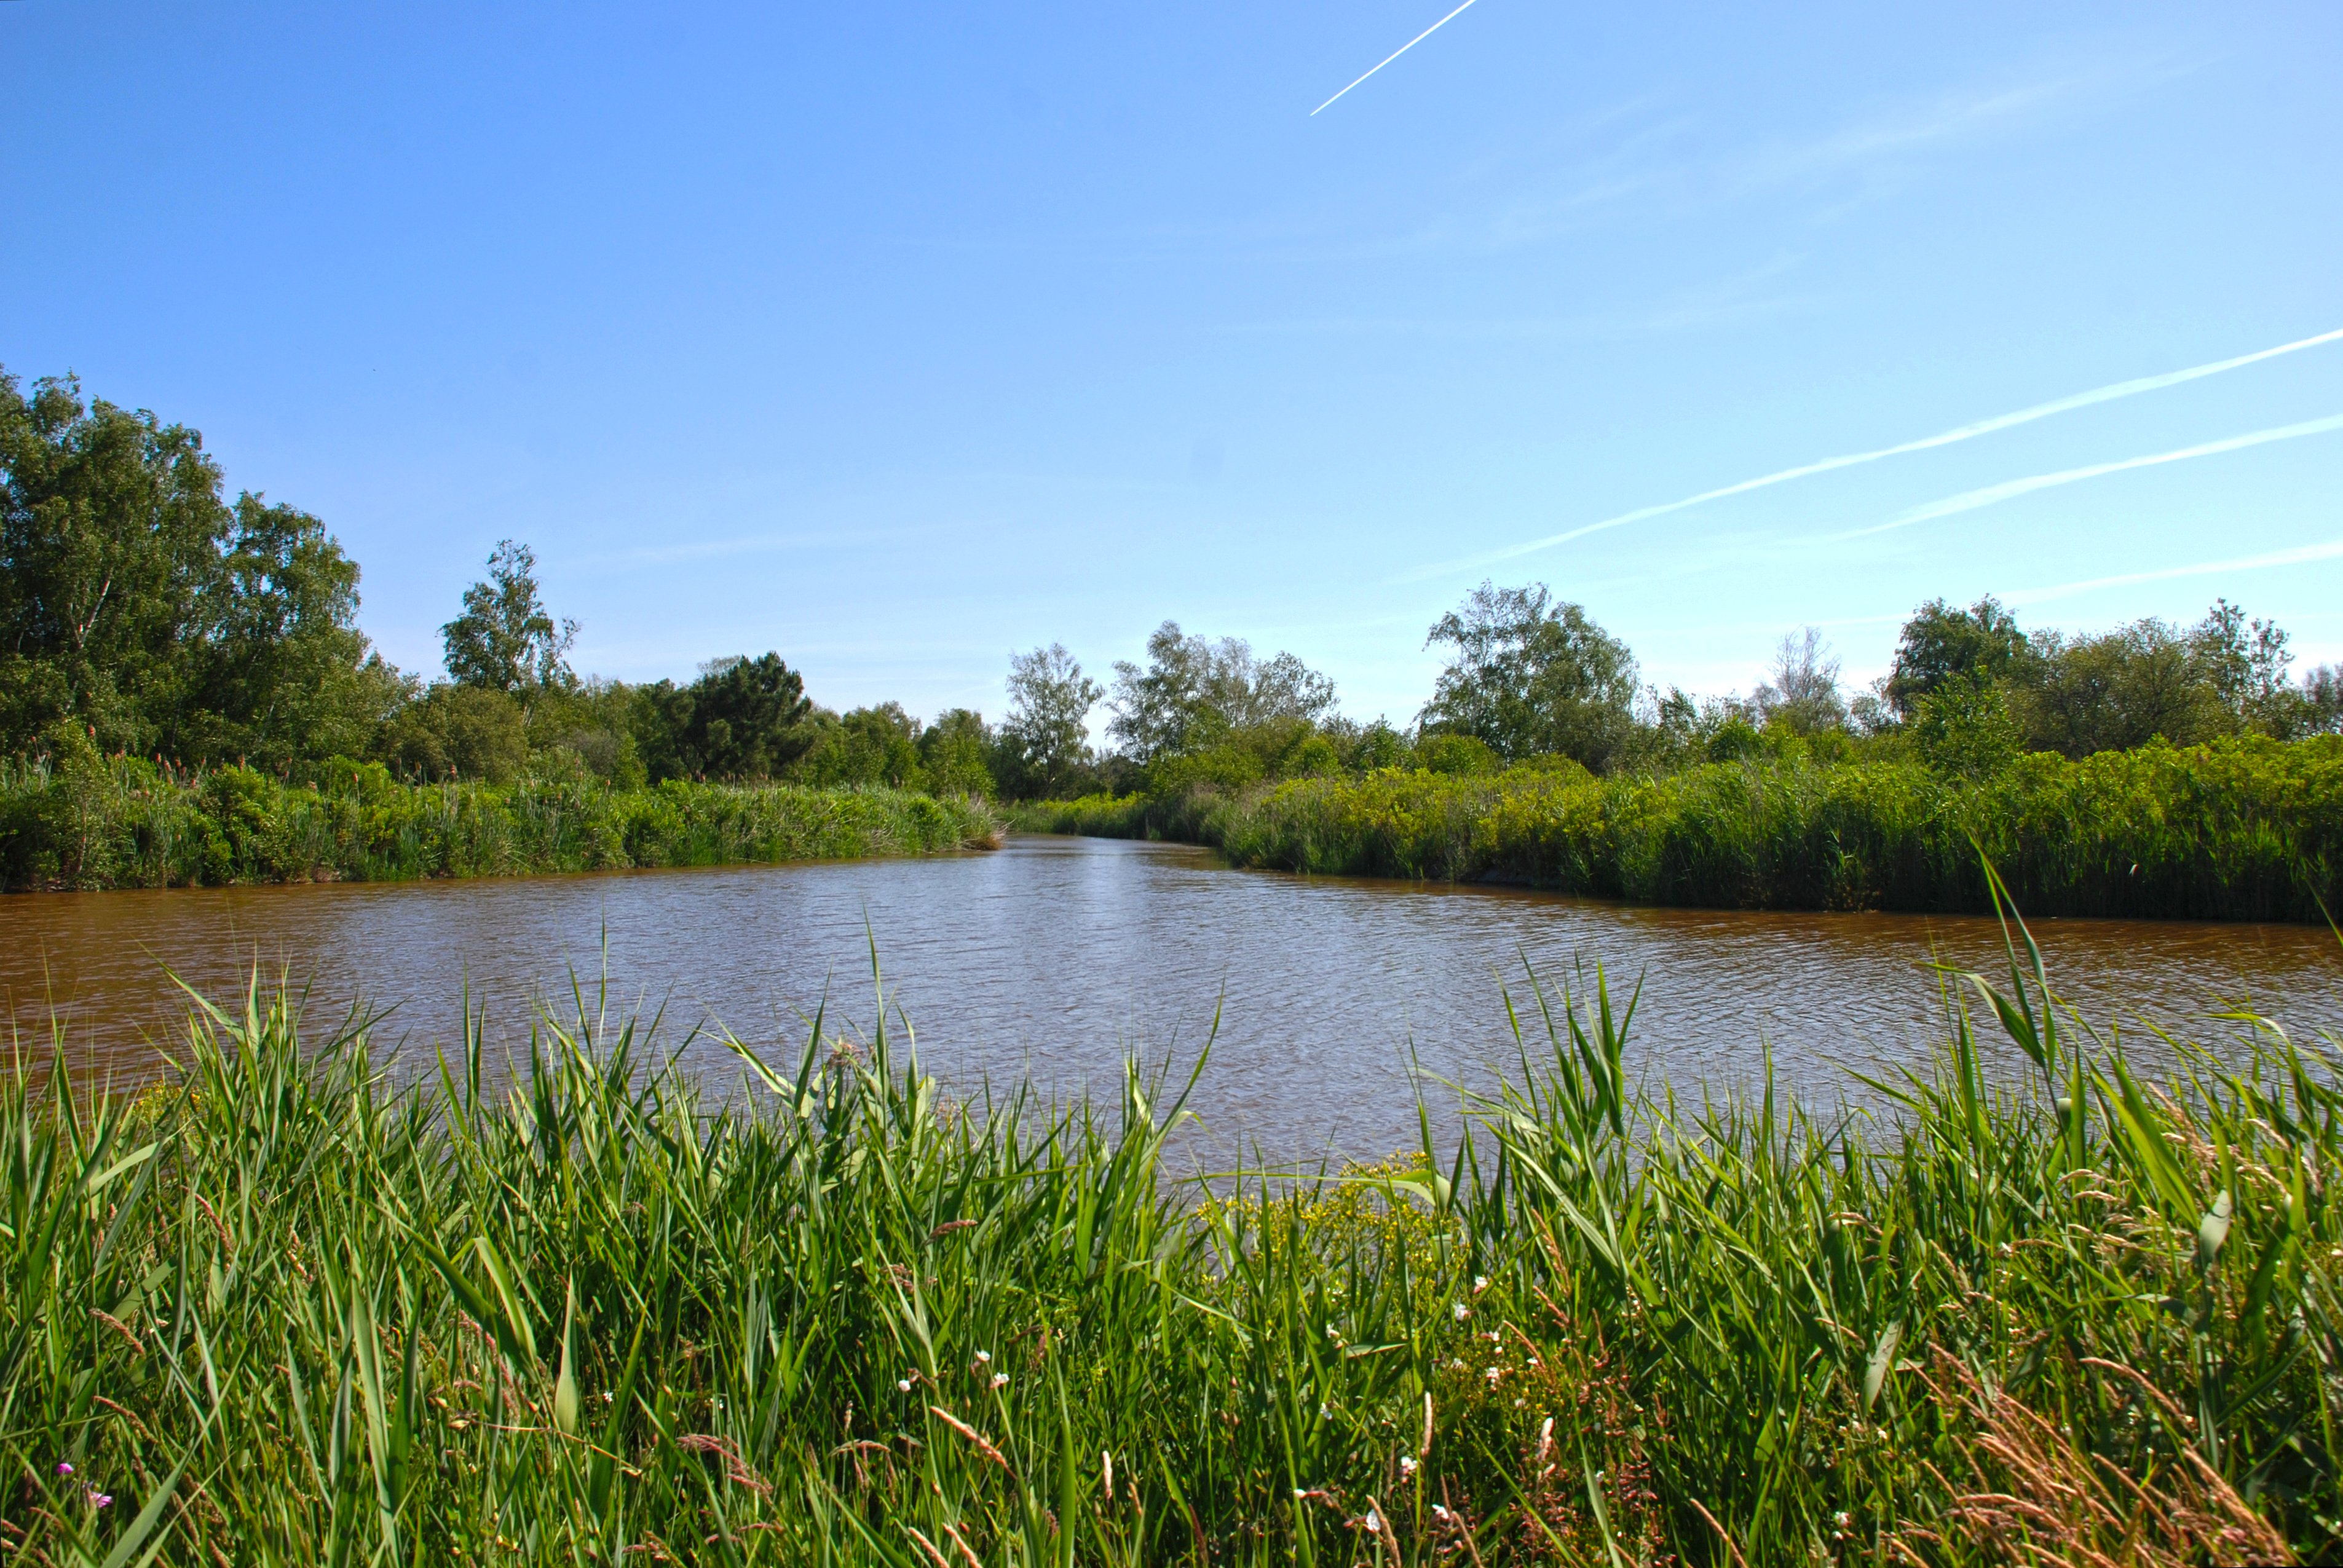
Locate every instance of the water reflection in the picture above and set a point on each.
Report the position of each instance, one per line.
(1055, 957)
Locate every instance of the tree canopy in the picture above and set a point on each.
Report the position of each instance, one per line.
(1046, 738)
(1194, 692)
(136, 602)
(505, 639)
(1529, 674)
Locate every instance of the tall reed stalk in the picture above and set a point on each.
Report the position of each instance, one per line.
(289, 1307)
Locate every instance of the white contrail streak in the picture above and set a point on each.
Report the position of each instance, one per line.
(1944, 438)
(1403, 49)
(2301, 554)
(2008, 489)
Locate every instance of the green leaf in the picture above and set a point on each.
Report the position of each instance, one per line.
(565, 1387)
(1883, 1356)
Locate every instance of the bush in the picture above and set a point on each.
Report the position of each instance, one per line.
(459, 732)
(77, 819)
(2242, 829)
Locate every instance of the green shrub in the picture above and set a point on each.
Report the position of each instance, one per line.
(81, 820)
(2242, 829)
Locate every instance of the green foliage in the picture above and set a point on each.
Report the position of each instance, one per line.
(78, 820)
(1045, 740)
(1462, 756)
(139, 604)
(1802, 694)
(2121, 689)
(291, 1307)
(505, 639)
(1380, 746)
(2242, 829)
(956, 754)
(876, 745)
(2110, 691)
(1940, 643)
(1532, 676)
(742, 719)
(1962, 724)
(1194, 694)
(478, 732)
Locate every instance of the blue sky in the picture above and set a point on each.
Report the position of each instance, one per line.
(897, 337)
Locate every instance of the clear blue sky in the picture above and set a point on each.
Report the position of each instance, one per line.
(897, 336)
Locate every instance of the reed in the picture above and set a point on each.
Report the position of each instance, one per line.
(123, 822)
(2236, 829)
(288, 1306)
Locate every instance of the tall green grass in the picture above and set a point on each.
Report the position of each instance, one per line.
(123, 822)
(2237, 829)
(292, 1308)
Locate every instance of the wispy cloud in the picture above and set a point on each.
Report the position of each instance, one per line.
(1676, 165)
(2298, 554)
(1960, 433)
(1748, 296)
(2009, 489)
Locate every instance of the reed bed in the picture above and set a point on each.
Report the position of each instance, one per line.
(123, 822)
(2243, 829)
(289, 1308)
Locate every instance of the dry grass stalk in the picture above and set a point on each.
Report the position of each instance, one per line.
(2037, 1497)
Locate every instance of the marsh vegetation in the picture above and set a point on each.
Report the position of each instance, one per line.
(575, 1309)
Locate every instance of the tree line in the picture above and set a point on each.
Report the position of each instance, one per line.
(143, 611)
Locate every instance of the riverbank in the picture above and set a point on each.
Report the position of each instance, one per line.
(127, 823)
(288, 1309)
(2243, 830)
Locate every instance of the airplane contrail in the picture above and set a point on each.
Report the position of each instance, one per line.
(2008, 489)
(2106, 394)
(1404, 48)
(2296, 556)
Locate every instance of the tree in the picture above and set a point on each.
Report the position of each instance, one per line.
(1194, 693)
(1964, 726)
(137, 604)
(505, 640)
(110, 528)
(2319, 704)
(459, 731)
(1531, 675)
(1939, 643)
(954, 753)
(2120, 690)
(744, 718)
(1046, 738)
(876, 745)
(2246, 661)
(280, 671)
(1803, 694)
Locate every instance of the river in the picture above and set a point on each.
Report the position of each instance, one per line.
(1055, 957)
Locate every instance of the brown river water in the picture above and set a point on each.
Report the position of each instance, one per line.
(1055, 958)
